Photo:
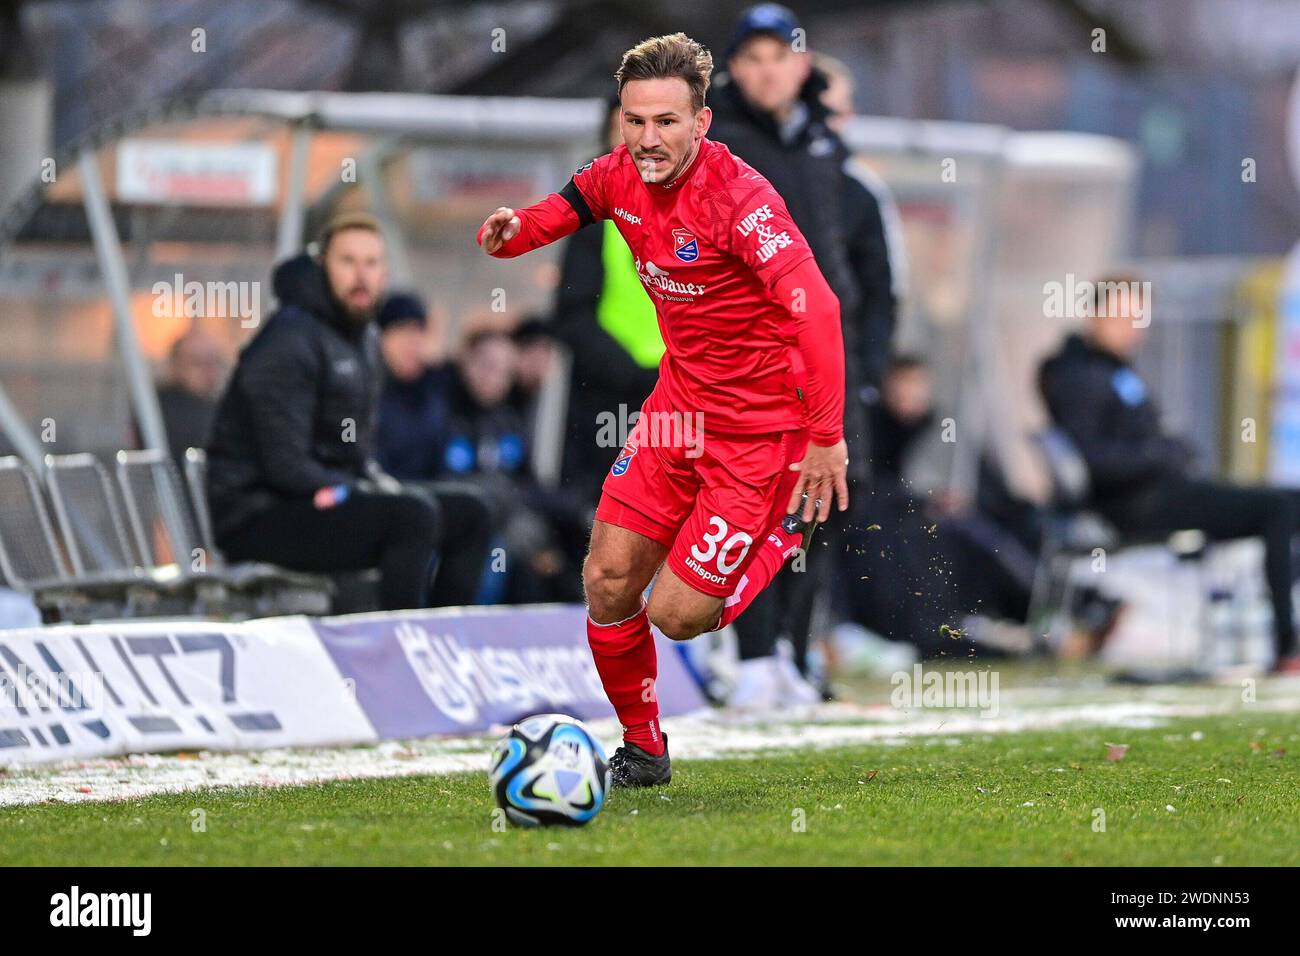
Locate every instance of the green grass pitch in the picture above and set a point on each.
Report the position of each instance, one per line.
(1196, 791)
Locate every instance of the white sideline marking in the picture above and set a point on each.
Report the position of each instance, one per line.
(707, 736)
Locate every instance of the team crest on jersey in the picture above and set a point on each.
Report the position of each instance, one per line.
(684, 245)
(621, 466)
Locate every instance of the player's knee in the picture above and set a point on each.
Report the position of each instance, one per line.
(679, 624)
(606, 582)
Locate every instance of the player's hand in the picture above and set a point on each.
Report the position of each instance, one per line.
(822, 473)
(498, 229)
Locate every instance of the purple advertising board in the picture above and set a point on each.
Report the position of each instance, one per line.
(462, 670)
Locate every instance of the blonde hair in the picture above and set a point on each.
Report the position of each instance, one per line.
(344, 221)
(661, 58)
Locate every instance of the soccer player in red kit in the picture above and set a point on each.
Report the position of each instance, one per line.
(739, 449)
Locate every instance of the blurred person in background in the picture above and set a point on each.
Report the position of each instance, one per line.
(898, 572)
(488, 445)
(1141, 476)
(410, 439)
(196, 369)
(291, 479)
(413, 402)
(535, 351)
(605, 317)
(941, 571)
(873, 232)
(770, 109)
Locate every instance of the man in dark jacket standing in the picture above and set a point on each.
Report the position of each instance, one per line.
(1140, 475)
(291, 479)
(768, 109)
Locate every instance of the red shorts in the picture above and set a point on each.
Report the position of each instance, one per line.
(711, 499)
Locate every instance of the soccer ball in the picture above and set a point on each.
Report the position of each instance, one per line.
(549, 770)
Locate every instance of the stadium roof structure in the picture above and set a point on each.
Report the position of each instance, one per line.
(564, 131)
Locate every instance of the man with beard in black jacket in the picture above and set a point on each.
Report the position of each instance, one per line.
(291, 479)
(768, 108)
(1140, 475)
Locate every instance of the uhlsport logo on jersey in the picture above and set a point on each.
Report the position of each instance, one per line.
(621, 466)
(684, 245)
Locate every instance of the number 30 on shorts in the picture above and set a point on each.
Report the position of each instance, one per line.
(718, 531)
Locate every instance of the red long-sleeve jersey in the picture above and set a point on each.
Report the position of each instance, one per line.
(752, 330)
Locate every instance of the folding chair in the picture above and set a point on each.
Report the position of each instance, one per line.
(173, 525)
(31, 560)
(1072, 532)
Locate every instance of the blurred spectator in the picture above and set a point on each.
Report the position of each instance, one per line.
(196, 370)
(290, 474)
(411, 436)
(906, 409)
(1140, 476)
(768, 109)
(929, 564)
(535, 351)
(605, 317)
(897, 576)
(487, 445)
(873, 230)
(413, 404)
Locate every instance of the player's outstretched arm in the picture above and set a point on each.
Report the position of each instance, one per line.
(512, 232)
(803, 292)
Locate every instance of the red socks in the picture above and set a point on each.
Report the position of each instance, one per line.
(625, 651)
(625, 659)
(772, 555)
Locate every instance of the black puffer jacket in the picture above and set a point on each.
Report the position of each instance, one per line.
(1102, 403)
(806, 170)
(299, 411)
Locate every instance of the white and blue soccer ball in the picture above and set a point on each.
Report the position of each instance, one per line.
(549, 770)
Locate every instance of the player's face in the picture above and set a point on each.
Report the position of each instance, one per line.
(660, 129)
(357, 271)
(769, 73)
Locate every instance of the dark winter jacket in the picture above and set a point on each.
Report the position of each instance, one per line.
(413, 423)
(806, 170)
(1105, 407)
(298, 413)
(875, 260)
(838, 215)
